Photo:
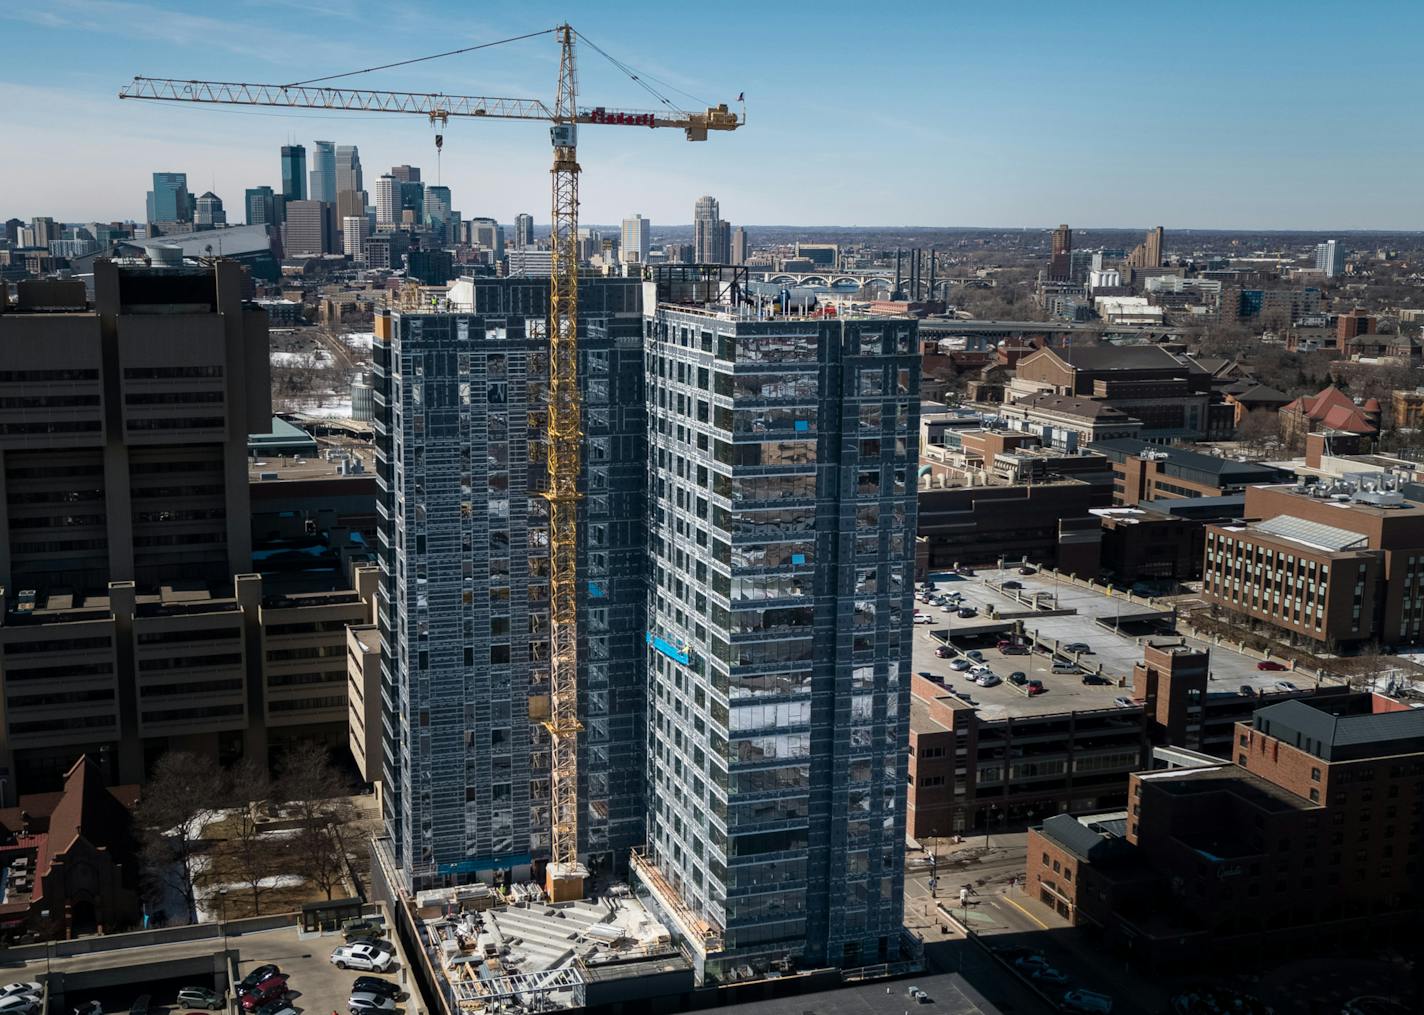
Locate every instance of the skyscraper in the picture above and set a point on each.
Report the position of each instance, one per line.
(169, 200)
(406, 174)
(262, 206)
(311, 228)
(523, 231)
(712, 237)
(388, 201)
(1330, 258)
(1060, 261)
(781, 517)
(294, 172)
(464, 599)
(208, 211)
(437, 212)
(354, 231)
(1148, 253)
(350, 202)
(46, 230)
(323, 172)
(412, 202)
(487, 233)
(741, 250)
(637, 240)
(348, 168)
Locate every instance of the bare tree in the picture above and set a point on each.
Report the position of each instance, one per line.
(181, 797)
(250, 856)
(316, 794)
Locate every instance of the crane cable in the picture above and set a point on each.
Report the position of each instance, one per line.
(641, 79)
(421, 59)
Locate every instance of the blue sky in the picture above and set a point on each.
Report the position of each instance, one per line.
(1216, 114)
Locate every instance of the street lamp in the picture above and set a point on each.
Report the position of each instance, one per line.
(222, 904)
(989, 823)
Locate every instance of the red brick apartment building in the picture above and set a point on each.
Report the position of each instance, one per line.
(1309, 838)
(1338, 564)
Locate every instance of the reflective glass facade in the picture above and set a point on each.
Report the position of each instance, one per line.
(464, 614)
(781, 462)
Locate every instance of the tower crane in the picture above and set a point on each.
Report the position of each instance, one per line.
(565, 872)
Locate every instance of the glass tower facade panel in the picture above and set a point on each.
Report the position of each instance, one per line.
(781, 517)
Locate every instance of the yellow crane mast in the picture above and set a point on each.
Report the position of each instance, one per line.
(565, 872)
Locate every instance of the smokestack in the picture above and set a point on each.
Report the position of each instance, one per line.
(914, 274)
(895, 293)
(932, 272)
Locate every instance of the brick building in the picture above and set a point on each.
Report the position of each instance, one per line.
(1310, 837)
(1143, 471)
(1336, 563)
(1145, 382)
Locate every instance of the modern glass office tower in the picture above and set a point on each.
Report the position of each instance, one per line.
(464, 605)
(782, 457)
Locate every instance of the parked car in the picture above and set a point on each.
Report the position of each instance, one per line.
(274, 988)
(1013, 585)
(1079, 647)
(1092, 679)
(1047, 974)
(965, 612)
(30, 989)
(960, 665)
(947, 607)
(1064, 666)
(1285, 685)
(988, 679)
(366, 955)
(21, 1004)
(370, 1004)
(200, 997)
(1087, 1001)
(1123, 702)
(1033, 960)
(1271, 665)
(1027, 570)
(1014, 649)
(256, 976)
(976, 655)
(142, 1004)
(375, 985)
(967, 572)
(943, 652)
(923, 618)
(1018, 678)
(1248, 690)
(281, 1006)
(1034, 687)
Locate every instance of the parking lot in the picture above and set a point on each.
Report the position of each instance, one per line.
(1114, 628)
(318, 986)
(115, 976)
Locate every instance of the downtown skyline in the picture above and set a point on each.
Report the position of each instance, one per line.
(1008, 125)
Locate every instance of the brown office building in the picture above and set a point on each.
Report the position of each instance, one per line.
(1060, 262)
(1337, 563)
(132, 623)
(1145, 382)
(1149, 472)
(1310, 837)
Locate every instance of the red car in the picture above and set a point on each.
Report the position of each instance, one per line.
(943, 652)
(1271, 664)
(274, 988)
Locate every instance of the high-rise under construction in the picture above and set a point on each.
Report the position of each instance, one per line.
(464, 604)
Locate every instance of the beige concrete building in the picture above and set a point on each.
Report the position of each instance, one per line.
(132, 622)
(363, 697)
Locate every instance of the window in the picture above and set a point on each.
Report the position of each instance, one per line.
(1315, 775)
